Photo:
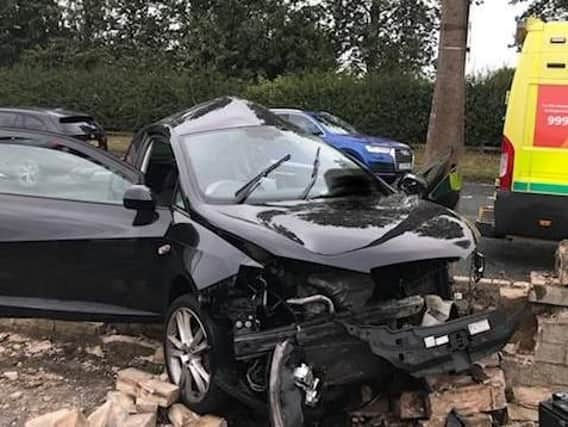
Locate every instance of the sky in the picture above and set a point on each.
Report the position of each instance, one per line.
(492, 30)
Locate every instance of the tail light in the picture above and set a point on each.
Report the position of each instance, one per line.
(506, 167)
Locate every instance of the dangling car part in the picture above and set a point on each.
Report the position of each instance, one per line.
(439, 181)
(241, 233)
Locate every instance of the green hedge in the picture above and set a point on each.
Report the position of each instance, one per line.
(396, 106)
(485, 107)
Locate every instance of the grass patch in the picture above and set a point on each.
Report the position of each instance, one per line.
(118, 142)
(481, 167)
(476, 166)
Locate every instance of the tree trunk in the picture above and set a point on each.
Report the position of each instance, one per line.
(446, 127)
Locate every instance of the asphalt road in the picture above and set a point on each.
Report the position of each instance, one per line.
(507, 258)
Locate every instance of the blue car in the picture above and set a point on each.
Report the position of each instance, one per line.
(386, 158)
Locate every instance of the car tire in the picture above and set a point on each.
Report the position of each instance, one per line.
(194, 356)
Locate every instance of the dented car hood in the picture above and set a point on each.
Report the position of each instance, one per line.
(355, 233)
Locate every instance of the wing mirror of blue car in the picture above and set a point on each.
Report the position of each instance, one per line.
(413, 185)
(141, 199)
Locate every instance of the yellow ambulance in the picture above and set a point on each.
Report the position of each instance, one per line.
(532, 193)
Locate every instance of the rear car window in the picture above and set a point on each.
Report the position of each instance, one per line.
(34, 123)
(8, 119)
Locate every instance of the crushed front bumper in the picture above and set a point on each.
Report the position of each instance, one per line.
(449, 347)
(354, 346)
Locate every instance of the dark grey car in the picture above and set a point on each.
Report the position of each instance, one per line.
(75, 124)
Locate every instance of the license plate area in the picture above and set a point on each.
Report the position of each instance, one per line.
(479, 327)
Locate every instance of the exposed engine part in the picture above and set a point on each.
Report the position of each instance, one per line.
(313, 299)
(347, 290)
(284, 397)
(438, 311)
(306, 380)
(255, 344)
(477, 266)
(476, 270)
(412, 278)
(254, 376)
(262, 281)
(246, 323)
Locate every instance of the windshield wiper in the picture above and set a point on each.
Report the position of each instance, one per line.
(246, 190)
(314, 177)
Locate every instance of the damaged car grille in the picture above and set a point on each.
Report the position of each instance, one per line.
(413, 278)
(255, 344)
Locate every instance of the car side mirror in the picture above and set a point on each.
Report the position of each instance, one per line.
(140, 199)
(413, 185)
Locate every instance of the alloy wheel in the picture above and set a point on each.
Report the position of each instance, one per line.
(187, 354)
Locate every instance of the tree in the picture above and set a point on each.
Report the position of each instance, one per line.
(546, 9)
(385, 35)
(122, 32)
(246, 39)
(446, 128)
(87, 21)
(257, 38)
(26, 24)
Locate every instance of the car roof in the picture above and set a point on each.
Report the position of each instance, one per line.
(313, 114)
(287, 110)
(25, 133)
(220, 114)
(29, 133)
(53, 112)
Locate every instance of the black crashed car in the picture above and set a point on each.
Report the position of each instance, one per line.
(77, 125)
(284, 272)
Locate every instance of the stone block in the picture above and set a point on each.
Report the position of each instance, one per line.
(519, 413)
(141, 420)
(549, 295)
(180, 416)
(129, 379)
(552, 328)
(561, 263)
(109, 414)
(123, 400)
(62, 418)
(522, 370)
(412, 406)
(541, 278)
(447, 381)
(530, 397)
(209, 421)
(163, 393)
(468, 400)
(551, 352)
(477, 420)
(146, 405)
